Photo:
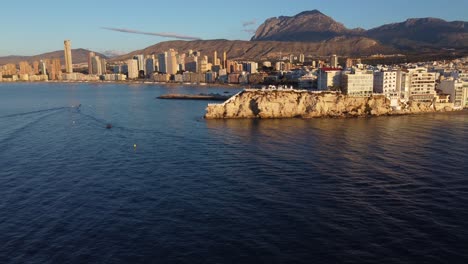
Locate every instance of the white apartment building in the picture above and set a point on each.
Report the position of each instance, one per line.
(421, 85)
(132, 67)
(172, 65)
(359, 83)
(96, 64)
(385, 82)
(329, 78)
(454, 88)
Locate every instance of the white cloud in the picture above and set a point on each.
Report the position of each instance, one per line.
(158, 34)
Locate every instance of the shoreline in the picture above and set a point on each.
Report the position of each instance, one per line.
(169, 84)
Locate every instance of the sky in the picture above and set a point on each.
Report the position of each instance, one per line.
(34, 27)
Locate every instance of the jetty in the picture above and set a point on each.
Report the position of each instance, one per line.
(214, 97)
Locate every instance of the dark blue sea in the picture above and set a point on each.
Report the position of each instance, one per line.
(370, 190)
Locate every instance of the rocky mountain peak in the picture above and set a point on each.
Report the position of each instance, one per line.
(306, 26)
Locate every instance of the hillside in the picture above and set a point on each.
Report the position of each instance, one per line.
(422, 32)
(78, 56)
(255, 50)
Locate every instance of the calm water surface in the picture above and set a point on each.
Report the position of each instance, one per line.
(379, 190)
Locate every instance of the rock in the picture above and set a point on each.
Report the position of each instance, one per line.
(306, 104)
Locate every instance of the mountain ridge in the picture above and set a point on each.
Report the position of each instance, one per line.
(258, 50)
(428, 32)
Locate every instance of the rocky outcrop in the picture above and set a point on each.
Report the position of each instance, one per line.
(306, 26)
(306, 104)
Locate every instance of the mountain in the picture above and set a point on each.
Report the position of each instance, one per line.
(78, 56)
(306, 26)
(257, 50)
(422, 32)
(411, 35)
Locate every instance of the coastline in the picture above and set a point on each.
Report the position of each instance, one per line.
(169, 84)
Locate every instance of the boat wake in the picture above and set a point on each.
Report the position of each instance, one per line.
(38, 111)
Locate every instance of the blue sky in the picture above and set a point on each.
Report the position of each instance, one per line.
(41, 26)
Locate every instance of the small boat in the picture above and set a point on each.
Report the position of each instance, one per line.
(109, 126)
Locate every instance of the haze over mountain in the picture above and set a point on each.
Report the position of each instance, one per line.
(413, 34)
(78, 55)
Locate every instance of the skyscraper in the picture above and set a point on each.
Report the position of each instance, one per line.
(141, 61)
(172, 67)
(96, 65)
(162, 62)
(215, 58)
(334, 61)
(132, 69)
(90, 62)
(224, 60)
(68, 57)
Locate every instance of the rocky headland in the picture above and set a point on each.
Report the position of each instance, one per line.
(253, 103)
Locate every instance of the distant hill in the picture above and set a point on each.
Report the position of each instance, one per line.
(78, 56)
(256, 50)
(422, 32)
(411, 35)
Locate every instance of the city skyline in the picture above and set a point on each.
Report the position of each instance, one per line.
(105, 26)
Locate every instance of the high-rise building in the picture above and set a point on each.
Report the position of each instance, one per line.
(25, 68)
(224, 60)
(36, 67)
(301, 58)
(334, 61)
(54, 69)
(181, 61)
(149, 69)
(215, 58)
(132, 69)
(104, 66)
(141, 62)
(162, 62)
(68, 57)
(90, 62)
(203, 65)
(172, 65)
(42, 68)
(96, 65)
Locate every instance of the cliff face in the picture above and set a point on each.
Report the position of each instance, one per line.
(305, 104)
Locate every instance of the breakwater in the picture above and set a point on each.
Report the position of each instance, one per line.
(253, 103)
(215, 97)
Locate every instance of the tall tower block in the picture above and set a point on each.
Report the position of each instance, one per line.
(225, 60)
(68, 57)
(215, 57)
